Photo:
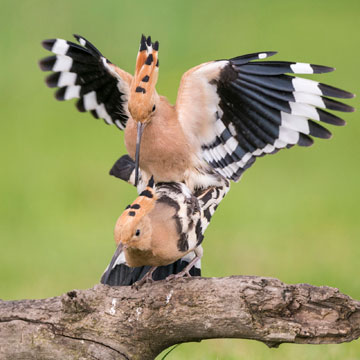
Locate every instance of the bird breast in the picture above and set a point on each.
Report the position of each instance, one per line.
(164, 151)
(136, 257)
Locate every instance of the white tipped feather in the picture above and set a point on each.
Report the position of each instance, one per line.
(310, 99)
(102, 113)
(279, 144)
(295, 122)
(66, 79)
(301, 68)
(268, 148)
(60, 47)
(62, 63)
(306, 85)
(304, 110)
(72, 92)
(287, 135)
(90, 102)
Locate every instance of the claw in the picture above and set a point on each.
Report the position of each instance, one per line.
(147, 279)
(185, 272)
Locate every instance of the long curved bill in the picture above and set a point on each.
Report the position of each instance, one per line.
(140, 129)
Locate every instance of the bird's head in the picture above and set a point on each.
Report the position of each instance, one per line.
(133, 228)
(143, 99)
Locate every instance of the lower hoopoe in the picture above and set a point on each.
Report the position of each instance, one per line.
(163, 228)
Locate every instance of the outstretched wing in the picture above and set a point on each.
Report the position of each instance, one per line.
(236, 110)
(83, 72)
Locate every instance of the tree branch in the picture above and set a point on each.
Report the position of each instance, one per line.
(125, 323)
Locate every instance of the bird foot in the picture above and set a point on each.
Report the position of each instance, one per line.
(185, 272)
(180, 275)
(147, 279)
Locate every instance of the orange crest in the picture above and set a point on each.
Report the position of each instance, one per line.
(142, 93)
(133, 214)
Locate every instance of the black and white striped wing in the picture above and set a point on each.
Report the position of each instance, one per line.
(209, 199)
(81, 71)
(193, 212)
(240, 109)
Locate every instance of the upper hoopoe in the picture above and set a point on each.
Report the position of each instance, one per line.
(164, 224)
(228, 112)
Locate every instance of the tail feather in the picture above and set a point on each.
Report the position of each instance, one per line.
(119, 274)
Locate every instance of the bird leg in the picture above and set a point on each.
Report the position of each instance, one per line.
(185, 271)
(146, 279)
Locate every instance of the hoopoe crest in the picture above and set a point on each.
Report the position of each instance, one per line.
(143, 96)
(133, 226)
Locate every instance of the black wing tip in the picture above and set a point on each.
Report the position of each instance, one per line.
(321, 69)
(78, 37)
(319, 131)
(48, 44)
(337, 105)
(271, 53)
(305, 140)
(332, 91)
(47, 63)
(88, 45)
(348, 108)
(80, 105)
(60, 94)
(265, 54)
(52, 80)
(253, 56)
(329, 118)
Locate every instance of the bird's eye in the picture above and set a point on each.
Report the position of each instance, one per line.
(137, 232)
(154, 107)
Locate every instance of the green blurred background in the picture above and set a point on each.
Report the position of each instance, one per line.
(294, 216)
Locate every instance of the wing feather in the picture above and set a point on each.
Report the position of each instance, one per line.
(236, 110)
(81, 71)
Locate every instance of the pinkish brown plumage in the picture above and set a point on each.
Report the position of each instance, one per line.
(227, 113)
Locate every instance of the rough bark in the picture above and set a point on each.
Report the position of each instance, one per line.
(125, 323)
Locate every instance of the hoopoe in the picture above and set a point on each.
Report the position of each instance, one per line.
(227, 113)
(163, 228)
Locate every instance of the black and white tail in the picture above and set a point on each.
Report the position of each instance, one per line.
(119, 274)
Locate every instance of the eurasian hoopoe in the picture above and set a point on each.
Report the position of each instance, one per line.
(164, 227)
(227, 113)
